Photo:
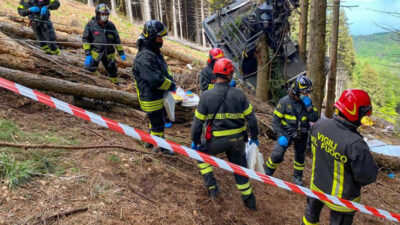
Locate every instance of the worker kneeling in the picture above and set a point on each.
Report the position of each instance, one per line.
(225, 109)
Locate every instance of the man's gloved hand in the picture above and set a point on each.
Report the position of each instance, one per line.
(254, 141)
(34, 9)
(194, 146)
(233, 83)
(123, 57)
(88, 60)
(173, 87)
(43, 11)
(283, 141)
(307, 101)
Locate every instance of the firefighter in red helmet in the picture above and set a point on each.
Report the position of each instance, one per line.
(225, 110)
(207, 77)
(342, 162)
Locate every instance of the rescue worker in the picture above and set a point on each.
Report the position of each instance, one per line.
(38, 12)
(342, 162)
(102, 31)
(207, 77)
(291, 119)
(151, 76)
(225, 109)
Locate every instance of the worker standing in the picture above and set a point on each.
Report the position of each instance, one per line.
(207, 77)
(38, 11)
(151, 75)
(100, 39)
(291, 122)
(342, 162)
(225, 109)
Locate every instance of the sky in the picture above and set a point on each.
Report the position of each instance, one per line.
(362, 19)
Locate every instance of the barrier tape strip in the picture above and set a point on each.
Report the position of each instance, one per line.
(177, 148)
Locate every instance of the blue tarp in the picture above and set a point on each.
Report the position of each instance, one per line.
(380, 147)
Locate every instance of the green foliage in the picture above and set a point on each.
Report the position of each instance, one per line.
(114, 159)
(7, 129)
(217, 4)
(14, 172)
(378, 72)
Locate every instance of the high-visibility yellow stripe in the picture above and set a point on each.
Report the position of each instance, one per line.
(44, 47)
(289, 117)
(229, 132)
(21, 7)
(210, 86)
(199, 115)
(223, 116)
(284, 123)
(335, 174)
(247, 192)
(315, 109)
(298, 166)
(338, 179)
(304, 118)
(333, 206)
(243, 186)
(271, 165)
(248, 110)
(278, 114)
(86, 46)
(95, 55)
(119, 47)
(113, 80)
(305, 221)
(206, 170)
(51, 1)
(313, 163)
(159, 134)
(341, 180)
(203, 165)
(112, 56)
(166, 84)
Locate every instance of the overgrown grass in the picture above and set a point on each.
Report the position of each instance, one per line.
(14, 172)
(18, 164)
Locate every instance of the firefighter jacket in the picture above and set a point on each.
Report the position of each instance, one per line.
(152, 78)
(290, 115)
(342, 163)
(231, 116)
(94, 33)
(24, 5)
(206, 76)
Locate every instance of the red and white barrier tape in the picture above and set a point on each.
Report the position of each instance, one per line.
(177, 148)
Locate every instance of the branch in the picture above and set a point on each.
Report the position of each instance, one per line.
(61, 215)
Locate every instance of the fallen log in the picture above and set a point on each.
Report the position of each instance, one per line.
(70, 88)
(392, 163)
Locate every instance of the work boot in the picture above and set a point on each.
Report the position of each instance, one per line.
(297, 179)
(148, 145)
(166, 151)
(250, 201)
(269, 171)
(213, 191)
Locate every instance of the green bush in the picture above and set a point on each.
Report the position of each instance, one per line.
(15, 173)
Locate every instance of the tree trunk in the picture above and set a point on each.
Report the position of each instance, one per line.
(129, 10)
(316, 53)
(90, 3)
(303, 29)
(146, 10)
(70, 88)
(175, 28)
(263, 70)
(202, 19)
(160, 10)
(197, 21)
(262, 67)
(113, 7)
(330, 99)
(180, 19)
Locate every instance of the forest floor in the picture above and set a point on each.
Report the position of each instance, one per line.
(116, 186)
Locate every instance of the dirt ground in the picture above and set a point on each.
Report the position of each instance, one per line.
(150, 188)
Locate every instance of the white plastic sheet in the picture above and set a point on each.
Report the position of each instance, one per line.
(254, 158)
(169, 104)
(383, 148)
(188, 100)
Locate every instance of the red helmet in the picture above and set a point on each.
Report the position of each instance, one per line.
(354, 104)
(223, 66)
(215, 53)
